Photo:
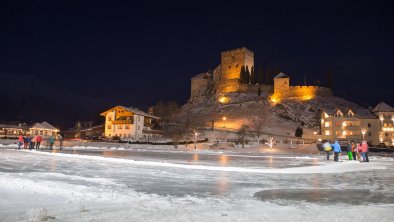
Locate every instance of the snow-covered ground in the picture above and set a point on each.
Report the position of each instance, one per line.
(145, 184)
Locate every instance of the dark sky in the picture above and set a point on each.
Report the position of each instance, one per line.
(137, 53)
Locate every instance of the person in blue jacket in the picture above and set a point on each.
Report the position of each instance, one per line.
(337, 150)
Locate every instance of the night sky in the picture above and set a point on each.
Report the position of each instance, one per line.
(136, 53)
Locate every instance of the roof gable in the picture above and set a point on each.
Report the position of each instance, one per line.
(383, 107)
(281, 75)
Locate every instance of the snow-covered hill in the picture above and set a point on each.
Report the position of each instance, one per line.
(248, 109)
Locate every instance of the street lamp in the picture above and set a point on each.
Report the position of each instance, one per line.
(363, 132)
(224, 121)
(314, 135)
(195, 140)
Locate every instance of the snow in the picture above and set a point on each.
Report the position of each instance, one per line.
(56, 186)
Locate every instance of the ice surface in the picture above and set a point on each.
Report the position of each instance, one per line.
(119, 185)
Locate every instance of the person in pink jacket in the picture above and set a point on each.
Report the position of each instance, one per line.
(364, 151)
(20, 141)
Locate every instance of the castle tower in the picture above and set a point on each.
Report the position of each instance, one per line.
(281, 84)
(233, 60)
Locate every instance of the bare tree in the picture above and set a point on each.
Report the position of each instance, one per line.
(242, 133)
(258, 125)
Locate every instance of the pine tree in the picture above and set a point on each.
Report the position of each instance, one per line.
(268, 76)
(242, 75)
(329, 80)
(260, 75)
(252, 76)
(247, 76)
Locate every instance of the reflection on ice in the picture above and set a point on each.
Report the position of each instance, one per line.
(325, 196)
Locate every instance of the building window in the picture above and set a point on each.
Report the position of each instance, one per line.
(129, 135)
(108, 126)
(326, 115)
(327, 124)
(327, 133)
(386, 134)
(41, 133)
(124, 135)
(119, 126)
(45, 133)
(229, 67)
(369, 125)
(338, 124)
(109, 135)
(369, 134)
(338, 133)
(139, 118)
(109, 118)
(236, 66)
(126, 126)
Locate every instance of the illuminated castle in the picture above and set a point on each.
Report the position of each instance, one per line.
(282, 89)
(225, 78)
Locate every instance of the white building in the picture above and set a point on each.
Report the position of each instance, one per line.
(129, 123)
(43, 129)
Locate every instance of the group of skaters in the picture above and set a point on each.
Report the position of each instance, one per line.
(355, 151)
(34, 142)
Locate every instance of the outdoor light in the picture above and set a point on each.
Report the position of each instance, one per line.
(314, 133)
(363, 132)
(344, 124)
(224, 118)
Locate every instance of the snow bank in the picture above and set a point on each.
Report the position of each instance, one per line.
(332, 167)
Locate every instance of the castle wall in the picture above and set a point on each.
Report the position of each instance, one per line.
(217, 75)
(199, 85)
(233, 60)
(302, 92)
(227, 85)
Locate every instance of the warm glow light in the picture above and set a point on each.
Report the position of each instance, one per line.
(322, 121)
(327, 133)
(363, 132)
(314, 133)
(224, 99)
(224, 118)
(274, 99)
(344, 133)
(381, 139)
(327, 124)
(307, 97)
(326, 115)
(344, 124)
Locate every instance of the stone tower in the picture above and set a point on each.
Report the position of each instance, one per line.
(281, 84)
(233, 60)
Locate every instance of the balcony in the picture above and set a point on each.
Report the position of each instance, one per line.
(122, 121)
(353, 128)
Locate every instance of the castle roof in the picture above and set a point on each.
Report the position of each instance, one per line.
(383, 107)
(281, 75)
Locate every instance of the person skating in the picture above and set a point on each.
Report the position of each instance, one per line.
(358, 151)
(337, 150)
(327, 148)
(20, 141)
(31, 142)
(349, 151)
(51, 141)
(60, 138)
(364, 151)
(353, 148)
(26, 142)
(38, 142)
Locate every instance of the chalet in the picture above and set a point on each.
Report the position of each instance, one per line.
(375, 126)
(129, 123)
(43, 129)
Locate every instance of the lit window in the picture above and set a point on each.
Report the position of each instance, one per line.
(326, 115)
(327, 124)
(127, 127)
(369, 134)
(369, 125)
(108, 126)
(327, 133)
(119, 126)
(338, 133)
(109, 118)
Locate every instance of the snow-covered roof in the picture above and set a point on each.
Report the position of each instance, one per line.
(133, 110)
(44, 125)
(281, 75)
(359, 112)
(383, 107)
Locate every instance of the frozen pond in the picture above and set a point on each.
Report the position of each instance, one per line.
(124, 185)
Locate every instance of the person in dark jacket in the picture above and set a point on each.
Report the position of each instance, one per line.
(349, 151)
(337, 150)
